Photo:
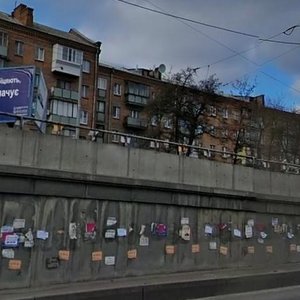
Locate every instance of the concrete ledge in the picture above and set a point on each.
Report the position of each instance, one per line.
(178, 286)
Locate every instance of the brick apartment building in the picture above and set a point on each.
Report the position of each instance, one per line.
(113, 98)
(68, 61)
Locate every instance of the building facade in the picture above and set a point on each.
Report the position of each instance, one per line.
(68, 61)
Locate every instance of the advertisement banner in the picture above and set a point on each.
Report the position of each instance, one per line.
(15, 92)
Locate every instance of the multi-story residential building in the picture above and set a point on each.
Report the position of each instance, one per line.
(68, 61)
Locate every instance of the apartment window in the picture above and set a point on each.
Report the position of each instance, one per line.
(65, 109)
(64, 84)
(3, 39)
(224, 133)
(213, 111)
(101, 106)
(134, 114)
(116, 110)
(115, 138)
(83, 117)
(72, 55)
(154, 121)
(117, 89)
(39, 53)
(86, 66)
(225, 154)
(19, 48)
(84, 91)
(225, 113)
(168, 123)
(102, 83)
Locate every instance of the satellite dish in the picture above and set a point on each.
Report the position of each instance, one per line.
(162, 68)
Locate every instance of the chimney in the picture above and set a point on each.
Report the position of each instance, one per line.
(23, 14)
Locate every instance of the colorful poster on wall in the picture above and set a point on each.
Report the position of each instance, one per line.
(97, 256)
(170, 249)
(14, 264)
(64, 255)
(195, 248)
(132, 254)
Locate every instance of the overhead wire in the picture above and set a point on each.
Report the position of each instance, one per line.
(236, 53)
(188, 19)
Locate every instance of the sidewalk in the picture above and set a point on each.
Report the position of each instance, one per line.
(186, 285)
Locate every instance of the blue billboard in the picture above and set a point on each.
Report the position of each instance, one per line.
(16, 92)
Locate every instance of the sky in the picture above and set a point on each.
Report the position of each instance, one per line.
(135, 37)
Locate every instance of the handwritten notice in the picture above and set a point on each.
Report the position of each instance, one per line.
(269, 249)
(97, 256)
(8, 253)
(19, 223)
(223, 250)
(293, 247)
(212, 246)
(251, 249)
(237, 233)
(208, 229)
(64, 255)
(122, 232)
(42, 234)
(144, 241)
(14, 264)
(110, 260)
(111, 221)
(195, 248)
(184, 221)
(248, 231)
(170, 249)
(132, 254)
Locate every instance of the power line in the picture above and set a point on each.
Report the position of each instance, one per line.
(280, 42)
(189, 20)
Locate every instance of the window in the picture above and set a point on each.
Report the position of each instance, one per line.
(117, 89)
(101, 106)
(168, 123)
(3, 39)
(116, 112)
(63, 84)
(225, 154)
(225, 113)
(224, 133)
(19, 48)
(84, 91)
(134, 114)
(236, 115)
(213, 111)
(115, 138)
(83, 117)
(86, 66)
(1, 63)
(65, 109)
(39, 53)
(102, 83)
(138, 89)
(72, 55)
(154, 121)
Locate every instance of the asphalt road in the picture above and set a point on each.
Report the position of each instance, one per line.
(287, 293)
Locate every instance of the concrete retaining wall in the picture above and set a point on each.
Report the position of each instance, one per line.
(61, 153)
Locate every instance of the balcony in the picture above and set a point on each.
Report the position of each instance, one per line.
(136, 100)
(3, 51)
(66, 60)
(66, 94)
(63, 119)
(136, 123)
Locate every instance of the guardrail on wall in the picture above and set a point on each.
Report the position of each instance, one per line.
(131, 140)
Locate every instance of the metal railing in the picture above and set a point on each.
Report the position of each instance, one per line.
(135, 141)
